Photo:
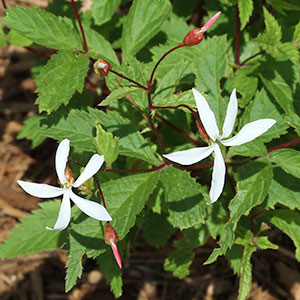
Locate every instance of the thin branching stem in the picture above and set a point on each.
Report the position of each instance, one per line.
(100, 190)
(285, 145)
(37, 52)
(4, 4)
(129, 79)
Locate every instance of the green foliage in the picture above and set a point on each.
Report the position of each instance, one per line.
(245, 11)
(43, 27)
(294, 121)
(31, 235)
(57, 82)
(103, 10)
(142, 23)
(106, 144)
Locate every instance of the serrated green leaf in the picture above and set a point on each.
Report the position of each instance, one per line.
(289, 222)
(284, 189)
(17, 39)
(62, 76)
(288, 160)
(32, 131)
(290, 51)
(179, 261)
(209, 67)
(296, 36)
(103, 10)
(281, 5)
(186, 202)
(143, 21)
(106, 144)
(246, 273)
(31, 235)
(293, 120)
(245, 11)
(99, 47)
(260, 108)
(186, 98)
(234, 257)
(119, 93)
(157, 229)
(126, 197)
(3, 37)
(111, 271)
(263, 243)
(254, 148)
(43, 27)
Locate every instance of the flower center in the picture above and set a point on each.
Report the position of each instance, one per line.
(68, 184)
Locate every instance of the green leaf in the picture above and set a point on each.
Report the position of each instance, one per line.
(293, 120)
(186, 202)
(179, 261)
(32, 131)
(284, 189)
(263, 243)
(143, 21)
(111, 271)
(126, 197)
(246, 273)
(282, 5)
(43, 27)
(288, 160)
(103, 10)
(289, 222)
(254, 148)
(57, 82)
(106, 144)
(17, 39)
(120, 93)
(234, 257)
(296, 36)
(31, 235)
(260, 108)
(186, 98)
(245, 11)
(3, 37)
(157, 229)
(210, 67)
(99, 47)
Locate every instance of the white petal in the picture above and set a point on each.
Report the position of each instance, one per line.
(91, 169)
(40, 190)
(207, 116)
(250, 132)
(91, 208)
(191, 156)
(218, 175)
(231, 113)
(61, 159)
(64, 214)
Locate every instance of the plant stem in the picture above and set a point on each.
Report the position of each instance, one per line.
(192, 140)
(37, 52)
(80, 26)
(135, 170)
(251, 57)
(99, 188)
(129, 79)
(284, 145)
(237, 37)
(175, 107)
(4, 4)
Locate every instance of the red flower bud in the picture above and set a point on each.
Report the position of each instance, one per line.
(111, 238)
(102, 67)
(69, 175)
(195, 36)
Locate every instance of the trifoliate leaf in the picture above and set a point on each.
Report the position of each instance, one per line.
(31, 235)
(186, 202)
(245, 11)
(143, 21)
(103, 10)
(288, 160)
(63, 75)
(106, 144)
(43, 27)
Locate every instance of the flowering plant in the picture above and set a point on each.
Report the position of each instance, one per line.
(160, 86)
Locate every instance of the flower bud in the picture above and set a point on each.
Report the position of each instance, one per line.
(111, 238)
(69, 175)
(195, 36)
(101, 67)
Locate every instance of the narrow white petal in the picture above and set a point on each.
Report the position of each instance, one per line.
(61, 159)
(91, 169)
(250, 132)
(191, 156)
(207, 116)
(40, 190)
(91, 208)
(64, 214)
(231, 113)
(218, 175)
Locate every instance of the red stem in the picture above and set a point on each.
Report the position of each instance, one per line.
(81, 28)
(284, 145)
(237, 37)
(4, 4)
(251, 57)
(38, 53)
(136, 170)
(130, 80)
(192, 140)
(101, 193)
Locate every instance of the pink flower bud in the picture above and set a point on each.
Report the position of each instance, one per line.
(102, 67)
(111, 238)
(195, 36)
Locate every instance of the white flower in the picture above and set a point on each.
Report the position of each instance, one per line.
(248, 133)
(91, 208)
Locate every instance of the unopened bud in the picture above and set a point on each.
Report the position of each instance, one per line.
(69, 175)
(111, 238)
(195, 36)
(101, 67)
